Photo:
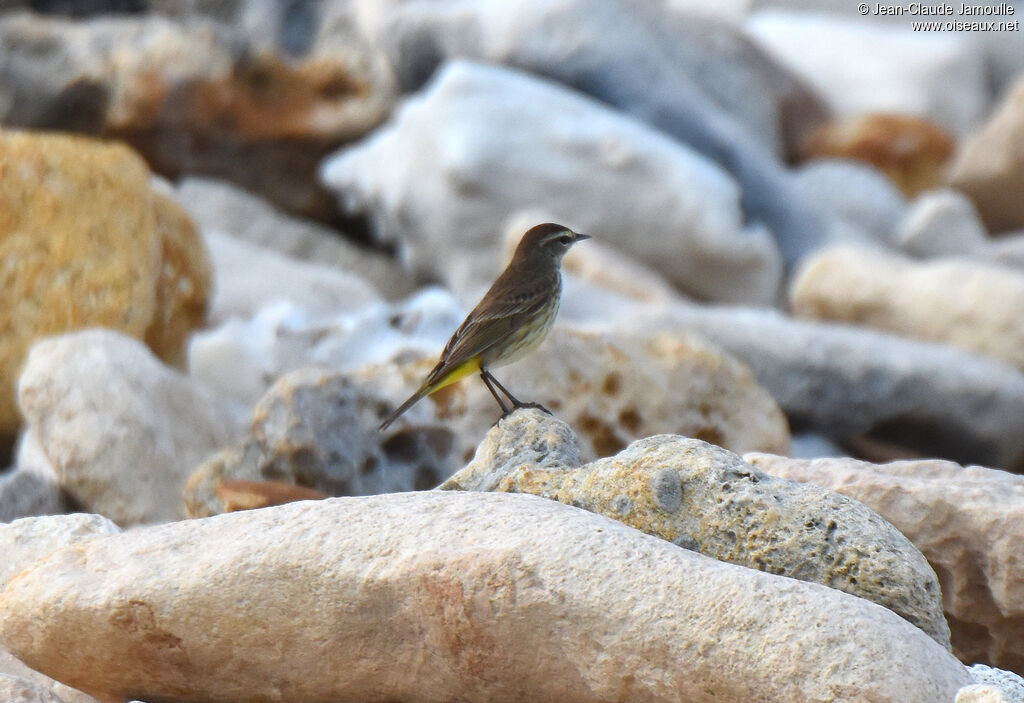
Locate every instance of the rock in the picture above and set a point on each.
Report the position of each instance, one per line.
(768, 100)
(24, 541)
(1008, 686)
(249, 495)
(847, 382)
(318, 428)
(912, 152)
(613, 387)
(990, 166)
(505, 592)
(121, 430)
(30, 488)
(644, 59)
(241, 359)
(974, 306)
(1008, 250)
(980, 693)
(597, 266)
(195, 96)
(65, 694)
(942, 223)
(248, 277)
(707, 499)
(18, 690)
(856, 195)
(966, 521)
(475, 136)
(87, 243)
(218, 206)
(938, 76)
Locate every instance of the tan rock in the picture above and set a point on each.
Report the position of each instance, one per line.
(911, 151)
(968, 523)
(707, 499)
(85, 242)
(479, 597)
(971, 305)
(990, 166)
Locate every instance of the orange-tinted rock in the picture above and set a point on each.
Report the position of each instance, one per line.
(195, 96)
(990, 167)
(247, 495)
(84, 242)
(912, 152)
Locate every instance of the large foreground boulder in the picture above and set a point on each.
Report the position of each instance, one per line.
(442, 596)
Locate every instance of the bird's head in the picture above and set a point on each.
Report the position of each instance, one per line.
(548, 240)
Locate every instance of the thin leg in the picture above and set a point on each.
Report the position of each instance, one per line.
(516, 403)
(487, 378)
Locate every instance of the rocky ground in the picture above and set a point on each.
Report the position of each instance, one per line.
(785, 451)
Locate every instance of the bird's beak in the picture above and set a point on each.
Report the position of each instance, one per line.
(581, 237)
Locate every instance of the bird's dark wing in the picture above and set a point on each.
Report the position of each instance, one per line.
(501, 312)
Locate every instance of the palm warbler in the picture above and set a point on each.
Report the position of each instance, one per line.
(509, 322)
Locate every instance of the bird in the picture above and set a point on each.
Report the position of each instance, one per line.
(510, 321)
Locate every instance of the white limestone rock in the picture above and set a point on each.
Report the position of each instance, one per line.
(942, 223)
(935, 75)
(247, 277)
(121, 430)
(222, 207)
(856, 194)
(482, 143)
(482, 597)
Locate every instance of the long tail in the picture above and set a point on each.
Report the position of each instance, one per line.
(416, 397)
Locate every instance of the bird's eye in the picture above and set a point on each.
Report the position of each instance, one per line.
(565, 240)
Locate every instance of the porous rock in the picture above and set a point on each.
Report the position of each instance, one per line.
(990, 166)
(707, 499)
(849, 382)
(475, 135)
(968, 523)
(85, 242)
(121, 430)
(614, 387)
(480, 595)
(975, 306)
(317, 428)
